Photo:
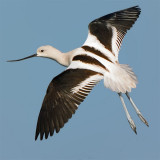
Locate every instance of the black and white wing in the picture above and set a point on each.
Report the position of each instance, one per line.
(65, 92)
(107, 32)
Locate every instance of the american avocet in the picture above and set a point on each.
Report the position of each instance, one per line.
(97, 59)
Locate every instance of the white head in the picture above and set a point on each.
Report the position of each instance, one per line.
(48, 52)
(44, 51)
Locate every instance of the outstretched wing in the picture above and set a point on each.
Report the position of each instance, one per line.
(65, 92)
(107, 32)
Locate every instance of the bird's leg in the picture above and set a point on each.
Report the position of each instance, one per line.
(137, 110)
(131, 122)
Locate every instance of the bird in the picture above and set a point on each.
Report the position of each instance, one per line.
(95, 60)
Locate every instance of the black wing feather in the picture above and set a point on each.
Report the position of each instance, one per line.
(60, 103)
(121, 20)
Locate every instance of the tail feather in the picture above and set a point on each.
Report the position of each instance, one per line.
(120, 79)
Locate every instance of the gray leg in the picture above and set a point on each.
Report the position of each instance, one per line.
(137, 110)
(131, 122)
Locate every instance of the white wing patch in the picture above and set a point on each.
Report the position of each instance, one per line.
(92, 41)
(87, 84)
(116, 41)
(81, 65)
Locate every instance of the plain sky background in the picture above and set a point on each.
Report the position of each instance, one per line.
(99, 130)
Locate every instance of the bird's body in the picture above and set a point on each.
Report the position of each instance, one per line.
(117, 77)
(97, 59)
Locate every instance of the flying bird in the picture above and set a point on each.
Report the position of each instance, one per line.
(96, 60)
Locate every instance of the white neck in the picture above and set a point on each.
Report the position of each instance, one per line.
(62, 58)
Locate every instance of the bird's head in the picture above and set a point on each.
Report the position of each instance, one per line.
(43, 51)
(47, 51)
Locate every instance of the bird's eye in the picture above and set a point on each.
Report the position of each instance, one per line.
(42, 50)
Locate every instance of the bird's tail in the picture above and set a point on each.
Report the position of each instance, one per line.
(120, 79)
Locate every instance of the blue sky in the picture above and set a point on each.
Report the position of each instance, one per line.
(99, 130)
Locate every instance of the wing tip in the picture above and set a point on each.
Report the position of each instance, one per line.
(36, 136)
(137, 8)
(46, 135)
